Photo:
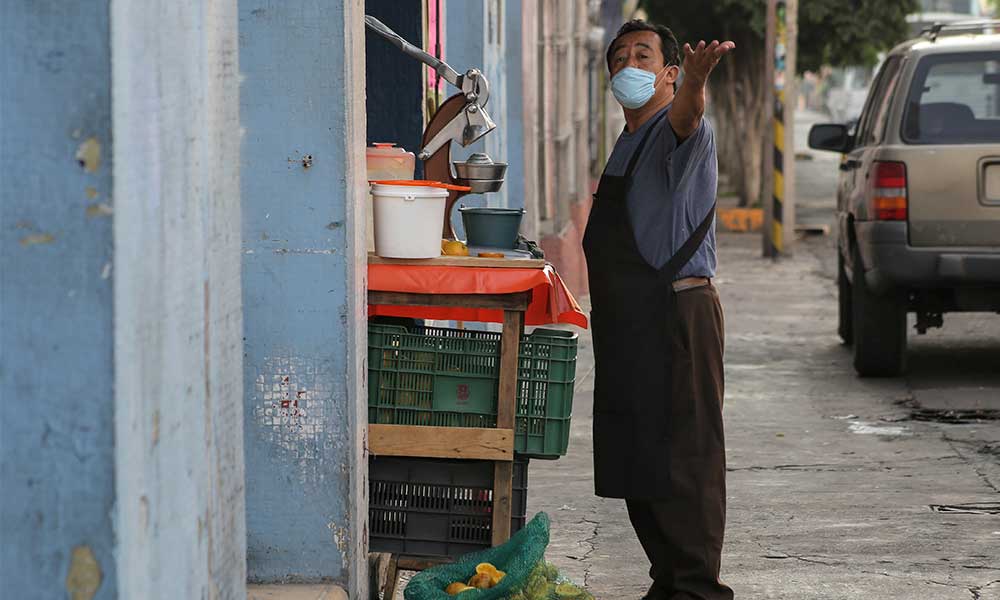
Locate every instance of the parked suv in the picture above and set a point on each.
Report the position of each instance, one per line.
(918, 198)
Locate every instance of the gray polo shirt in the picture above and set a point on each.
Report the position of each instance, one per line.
(673, 188)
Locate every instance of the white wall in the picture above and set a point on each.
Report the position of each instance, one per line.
(178, 324)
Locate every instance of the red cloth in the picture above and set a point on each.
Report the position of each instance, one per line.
(551, 300)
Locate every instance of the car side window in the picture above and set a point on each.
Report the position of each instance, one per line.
(876, 103)
(861, 129)
(881, 116)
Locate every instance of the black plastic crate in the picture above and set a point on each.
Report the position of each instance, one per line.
(437, 507)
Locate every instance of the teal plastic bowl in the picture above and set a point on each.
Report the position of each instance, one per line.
(492, 227)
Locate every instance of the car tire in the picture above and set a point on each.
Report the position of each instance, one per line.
(845, 322)
(879, 329)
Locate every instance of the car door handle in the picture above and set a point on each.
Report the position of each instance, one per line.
(850, 165)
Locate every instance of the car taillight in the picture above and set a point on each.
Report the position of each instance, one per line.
(888, 195)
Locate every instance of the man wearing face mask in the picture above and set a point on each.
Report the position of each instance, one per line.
(656, 321)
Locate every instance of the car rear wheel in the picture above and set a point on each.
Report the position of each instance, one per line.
(879, 329)
(845, 325)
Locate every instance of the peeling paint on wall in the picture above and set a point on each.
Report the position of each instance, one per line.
(37, 238)
(91, 192)
(144, 511)
(99, 209)
(305, 251)
(306, 160)
(341, 538)
(88, 155)
(154, 437)
(84, 577)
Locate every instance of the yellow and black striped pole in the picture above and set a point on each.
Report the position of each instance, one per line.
(779, 165)
(776, 231)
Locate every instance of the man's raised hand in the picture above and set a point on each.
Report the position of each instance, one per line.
(700, 60)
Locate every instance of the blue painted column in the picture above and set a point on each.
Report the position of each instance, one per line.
(57, 487)
(303, 191)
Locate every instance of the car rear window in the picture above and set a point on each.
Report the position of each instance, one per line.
(954, 99)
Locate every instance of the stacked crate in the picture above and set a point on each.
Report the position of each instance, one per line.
(434, 377)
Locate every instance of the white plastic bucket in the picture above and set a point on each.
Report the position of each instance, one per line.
(408, 220)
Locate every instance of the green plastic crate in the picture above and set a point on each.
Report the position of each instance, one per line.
(450, 378)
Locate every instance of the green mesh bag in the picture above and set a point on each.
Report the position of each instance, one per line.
(545, 583)
(518, 558)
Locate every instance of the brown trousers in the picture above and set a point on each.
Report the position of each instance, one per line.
(682, 536)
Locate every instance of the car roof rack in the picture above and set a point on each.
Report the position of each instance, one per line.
(958, 27)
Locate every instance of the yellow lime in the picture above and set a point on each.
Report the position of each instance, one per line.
(457, 588)
(454, 248)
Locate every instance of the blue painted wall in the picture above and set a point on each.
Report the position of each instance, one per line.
(464, 50)
(514, 129)
(56, 395)
(298, 429)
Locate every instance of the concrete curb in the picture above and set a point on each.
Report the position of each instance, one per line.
(740, 220)
(291, 591)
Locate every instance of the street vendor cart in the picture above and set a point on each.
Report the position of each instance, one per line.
(514, 292)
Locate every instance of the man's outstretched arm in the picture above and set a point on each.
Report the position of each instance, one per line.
(689, 104)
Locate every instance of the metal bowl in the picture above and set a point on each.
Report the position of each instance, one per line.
(481, 186)
(487, 171)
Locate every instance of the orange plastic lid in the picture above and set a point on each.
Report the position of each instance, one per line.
(422, 183)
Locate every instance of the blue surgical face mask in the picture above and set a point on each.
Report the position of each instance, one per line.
(634, 87)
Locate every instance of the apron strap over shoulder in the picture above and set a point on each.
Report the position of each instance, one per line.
(681, 258)
(642, 144)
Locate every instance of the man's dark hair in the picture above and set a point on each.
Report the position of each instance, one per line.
(668, 43)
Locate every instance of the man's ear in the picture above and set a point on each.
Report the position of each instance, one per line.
(672, 73)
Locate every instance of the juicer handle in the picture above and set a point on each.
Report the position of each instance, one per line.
(442, 68)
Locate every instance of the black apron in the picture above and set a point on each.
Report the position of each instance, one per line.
(633, 315)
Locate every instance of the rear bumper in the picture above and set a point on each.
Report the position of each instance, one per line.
(890, 262)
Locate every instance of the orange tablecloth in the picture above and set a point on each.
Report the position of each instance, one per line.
(551, 300)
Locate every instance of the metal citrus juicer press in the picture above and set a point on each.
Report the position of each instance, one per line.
(461, 118)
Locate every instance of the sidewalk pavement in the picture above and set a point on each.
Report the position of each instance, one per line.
(831, 483)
